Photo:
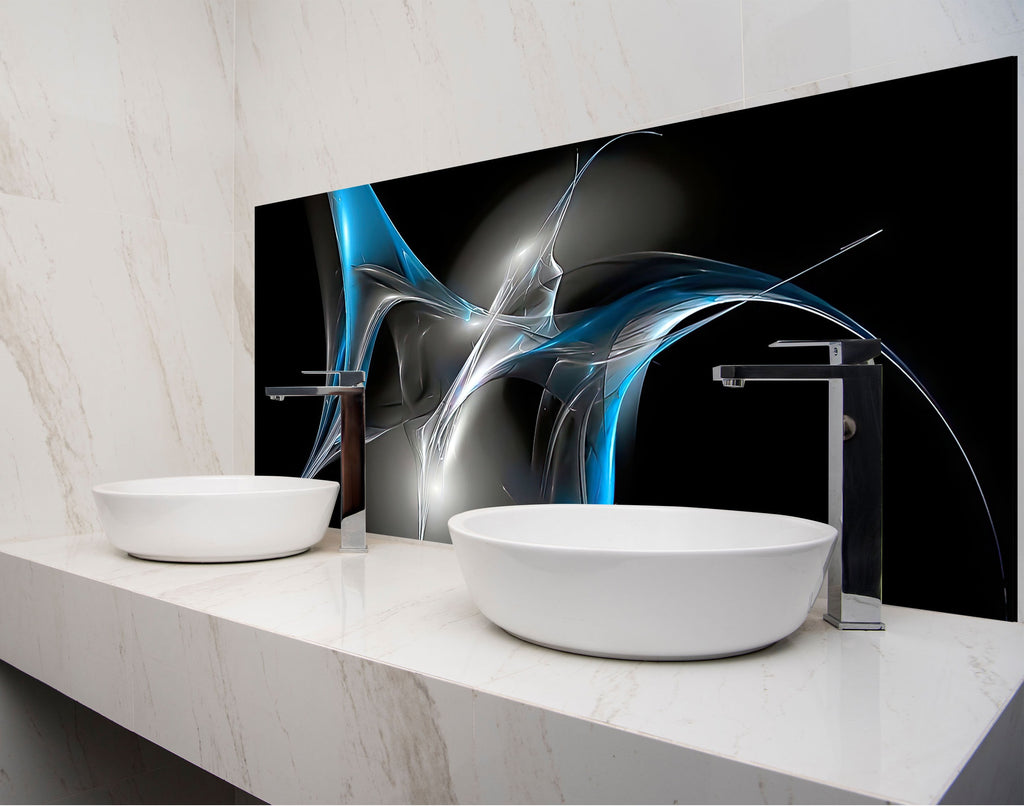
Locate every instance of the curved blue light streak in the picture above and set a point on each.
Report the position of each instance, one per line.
(590, 364)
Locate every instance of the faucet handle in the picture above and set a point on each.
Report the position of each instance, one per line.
(840, 351)
(355, 377)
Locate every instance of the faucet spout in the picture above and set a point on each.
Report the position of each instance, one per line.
(854, 468)
(730, 374)
(350, 389)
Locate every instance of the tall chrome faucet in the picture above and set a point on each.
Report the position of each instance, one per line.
(350, 389)
(854, 469)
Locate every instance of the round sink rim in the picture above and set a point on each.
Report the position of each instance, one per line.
(828, 532)
(150, 486)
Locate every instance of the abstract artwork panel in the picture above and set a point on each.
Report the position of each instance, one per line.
(542, 327)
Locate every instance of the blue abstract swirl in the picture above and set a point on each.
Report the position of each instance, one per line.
(587, 351)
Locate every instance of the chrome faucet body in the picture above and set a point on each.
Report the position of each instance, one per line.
(854, 469)
(350, 389)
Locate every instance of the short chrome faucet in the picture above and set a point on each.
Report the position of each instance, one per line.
(350, 389)
(854, 469)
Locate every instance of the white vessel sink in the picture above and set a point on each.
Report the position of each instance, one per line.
(647, 583)
(209, 519)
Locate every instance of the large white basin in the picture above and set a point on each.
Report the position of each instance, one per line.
(209, 519)
(647, 583)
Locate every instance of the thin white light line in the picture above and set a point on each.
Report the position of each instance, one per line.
(800, 273)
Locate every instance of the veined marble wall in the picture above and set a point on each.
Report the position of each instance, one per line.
(116, 317)
(331, 95)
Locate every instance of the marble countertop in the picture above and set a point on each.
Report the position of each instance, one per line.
(253, 670)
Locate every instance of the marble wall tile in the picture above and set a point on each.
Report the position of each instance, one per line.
(308, 106)
(119, 106)
(332, 95)
(802, 41)
(503, 79)
(116, 354)
(116, 312)
(1011, 44)
(244, 341)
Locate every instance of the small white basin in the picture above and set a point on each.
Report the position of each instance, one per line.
(642, 582)
(209, 519)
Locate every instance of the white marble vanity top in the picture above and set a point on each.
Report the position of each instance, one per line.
(339, 669)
